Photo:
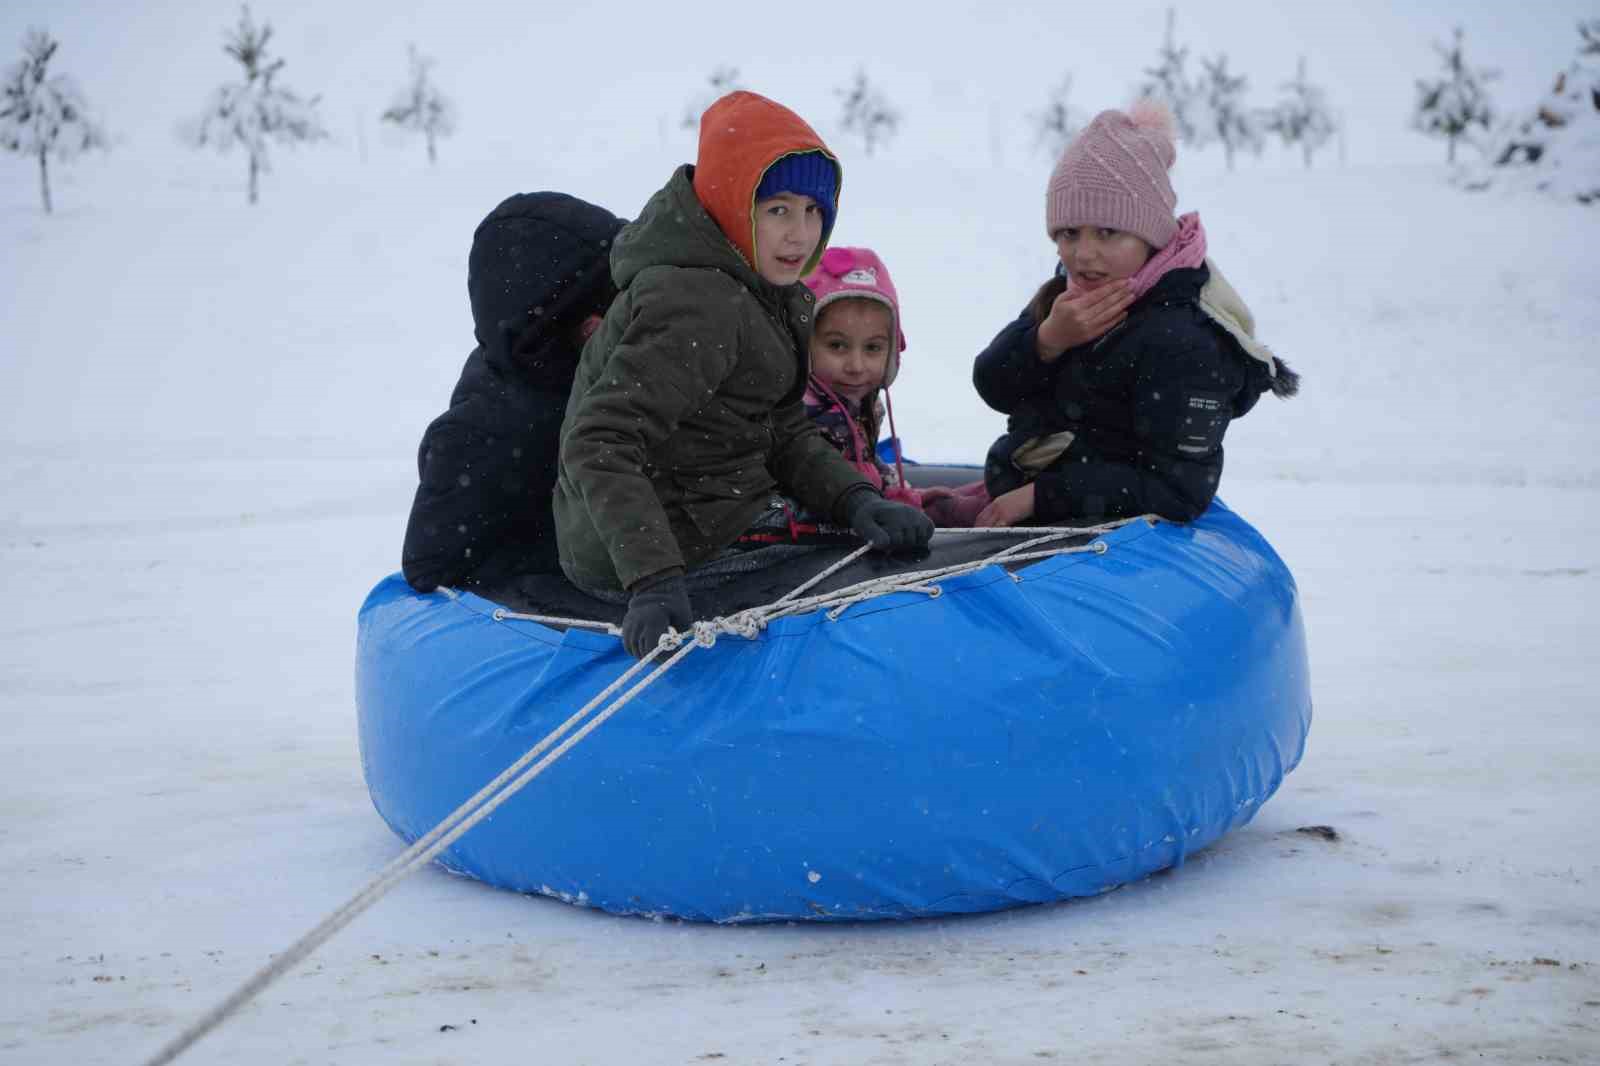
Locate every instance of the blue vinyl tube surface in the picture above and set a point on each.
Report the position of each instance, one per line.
(1009, 742)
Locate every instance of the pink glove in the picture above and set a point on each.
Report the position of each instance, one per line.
(955, 508)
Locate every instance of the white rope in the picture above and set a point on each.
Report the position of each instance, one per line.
(424, 850)
(829, 572)
(841, 600)
(1052, 531)
(703, 634)
(501, 614)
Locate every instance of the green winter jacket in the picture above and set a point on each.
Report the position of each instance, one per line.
(686, 410)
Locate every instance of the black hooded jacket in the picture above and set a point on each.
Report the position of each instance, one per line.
(1147, 405)
(539, 265)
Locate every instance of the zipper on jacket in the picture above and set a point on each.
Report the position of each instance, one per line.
(1112, 332)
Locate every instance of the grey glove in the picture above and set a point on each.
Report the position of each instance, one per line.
(886, 525)
(656, 604)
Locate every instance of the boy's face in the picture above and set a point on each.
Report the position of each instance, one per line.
(788, 227)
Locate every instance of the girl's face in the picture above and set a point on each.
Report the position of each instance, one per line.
(788, 227)
(1094, 255)
(850, 347)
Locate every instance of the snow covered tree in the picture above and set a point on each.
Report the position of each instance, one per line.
(1227, 118)
(1168, 82)
(421, 108)
(867, 113)
(722, 81)
(1450, 105)
(255, 111)
(1059, 122)
(1302, 117)
(44, 114)
(1556, 148)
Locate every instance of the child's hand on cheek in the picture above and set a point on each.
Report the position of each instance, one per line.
(1007, 509)
(1079, 317)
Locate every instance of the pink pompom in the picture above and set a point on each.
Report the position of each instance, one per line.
(1153, 116)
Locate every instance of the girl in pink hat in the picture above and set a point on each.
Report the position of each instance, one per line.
(1122, 374)
(855, 356)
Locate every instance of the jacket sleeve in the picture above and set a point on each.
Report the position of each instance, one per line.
(1183, 400)
(450, 529)
(806, 465)
(673, 354)
(1009, 370)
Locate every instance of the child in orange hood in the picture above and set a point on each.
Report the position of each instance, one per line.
(685, 428)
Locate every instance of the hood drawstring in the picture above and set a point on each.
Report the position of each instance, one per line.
(855, 433)
(894, 435)
(838, 401)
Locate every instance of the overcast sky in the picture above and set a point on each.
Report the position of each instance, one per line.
(965, 76)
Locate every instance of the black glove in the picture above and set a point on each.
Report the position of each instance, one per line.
(656, 604)
(886, 525)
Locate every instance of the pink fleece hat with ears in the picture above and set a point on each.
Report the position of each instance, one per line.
(858, 274)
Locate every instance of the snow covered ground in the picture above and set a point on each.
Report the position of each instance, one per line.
(207, 424)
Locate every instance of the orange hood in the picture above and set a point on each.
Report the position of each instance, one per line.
(741, 135)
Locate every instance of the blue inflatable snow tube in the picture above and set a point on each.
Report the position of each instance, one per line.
(1087, 721)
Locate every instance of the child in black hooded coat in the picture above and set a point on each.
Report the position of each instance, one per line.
(539, 280)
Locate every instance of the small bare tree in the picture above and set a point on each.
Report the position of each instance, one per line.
(867, 113)
(1450, 105)
(421, 107)
(44, 114)
(722, 81)
(1227, 118)
(1303, 116)
(1169, 83)
(255, 111)
(1059, 122)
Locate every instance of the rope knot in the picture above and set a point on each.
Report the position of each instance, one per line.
(746, 624)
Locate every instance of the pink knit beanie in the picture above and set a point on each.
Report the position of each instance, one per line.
(1114, 174)
(858, 274)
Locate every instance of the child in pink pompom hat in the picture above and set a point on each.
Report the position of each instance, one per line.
(1122, 375)
(855, 356)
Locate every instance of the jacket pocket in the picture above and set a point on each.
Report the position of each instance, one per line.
(719, 506)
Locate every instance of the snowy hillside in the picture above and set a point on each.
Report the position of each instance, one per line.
(208, 416)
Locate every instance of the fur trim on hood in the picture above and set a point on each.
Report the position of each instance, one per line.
(1223, 304)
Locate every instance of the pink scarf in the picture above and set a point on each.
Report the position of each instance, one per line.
(1185, 251)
